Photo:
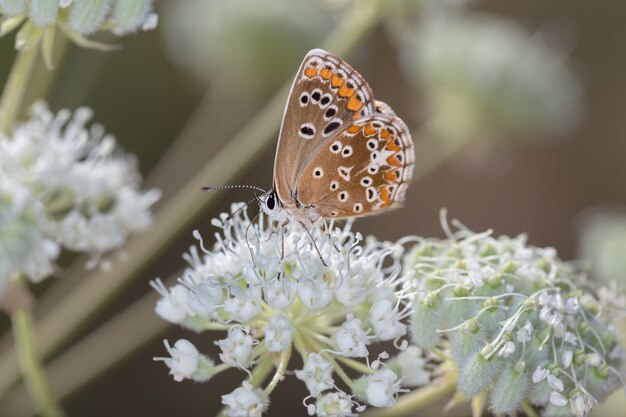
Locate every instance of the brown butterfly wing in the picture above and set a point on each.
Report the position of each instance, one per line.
(363, 170)
(326, 96)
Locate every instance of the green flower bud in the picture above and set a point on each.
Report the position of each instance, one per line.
(43, 12)
(466, 342)
(131, 14)
(509, 391)
(425, 320)
(86, 15)
(478, 374)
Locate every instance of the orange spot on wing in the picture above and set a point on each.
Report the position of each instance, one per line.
(384, 196)
(310, 72)
(354, 103)
(369, 130)
(344, 91)
(325, 73)
(337, 81)
(384, 134)
(392, 146)
(353, 129)
(391, 176)
(393, 161)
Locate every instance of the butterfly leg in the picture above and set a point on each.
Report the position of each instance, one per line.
(314, 244)
(327, 231)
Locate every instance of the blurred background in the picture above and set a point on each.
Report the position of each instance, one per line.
(516, 108)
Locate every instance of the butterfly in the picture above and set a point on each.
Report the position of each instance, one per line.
(340, 152)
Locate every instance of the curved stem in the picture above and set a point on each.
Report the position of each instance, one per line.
(409, 404)
(259, 373)
(280, 370)
(30, 364)
(15, 87)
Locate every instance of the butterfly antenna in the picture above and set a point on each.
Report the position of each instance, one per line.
(229, 187)
(243, 206)
(248, 241)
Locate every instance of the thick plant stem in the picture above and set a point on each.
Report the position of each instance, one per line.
(409, 404)
(15, 88)
(31, 366)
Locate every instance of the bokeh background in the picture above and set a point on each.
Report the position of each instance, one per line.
(546, 159)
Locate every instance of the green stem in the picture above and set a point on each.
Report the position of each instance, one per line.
(280, 370)
(30, 364)
(15, 87)
(529, 410)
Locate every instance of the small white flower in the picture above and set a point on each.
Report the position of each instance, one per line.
(314, 293)
(540, 374)
(237, 347)
(555, 383)
(412, 369)
(578, 406)
(183, 360)
(351, 339)
(278, 333)
(334, 404)
(244, 305)
(385, 320)
(172, 306)
(593, 359)
(382, 388)
(317, 374)
(567, 357)
(280, 293)
(507, 350)
(245, 401)
(558, 399)
(525, 333)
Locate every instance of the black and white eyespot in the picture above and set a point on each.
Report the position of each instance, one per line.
(318, 172)
(335, 147)
(343, 195)
(376, 125)
(344, 172)
(325, 100)
(391, 131)
(331, 111)
(316, 95)
(372, 144)
(346, 151)
(332, 126)
(373, 169)
(358, 207)
(304, 99)
(370, 194)
(350, 84)
(307, 131)
(366, 181)
(334, 185)
(374, 155)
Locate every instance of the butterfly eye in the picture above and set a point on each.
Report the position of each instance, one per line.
(270, 203)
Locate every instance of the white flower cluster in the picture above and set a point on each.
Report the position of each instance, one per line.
(270, 290)
(65, 185)
(517, 321)
(75, 18)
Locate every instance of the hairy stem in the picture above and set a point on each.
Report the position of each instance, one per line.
(30, 364)
(280, 370)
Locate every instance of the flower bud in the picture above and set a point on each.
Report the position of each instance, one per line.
(425, 321)
(509, 390)
(86, 15)
(245, 401)
(43, 12)
(129, 15)
(477, 374)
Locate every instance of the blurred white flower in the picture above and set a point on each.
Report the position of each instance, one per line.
(87, 188)
(245, 401)
(486, 76)
(410, 364)
(382, 388)
(253, 45)
(334, 404)
(317, 374)
(602, 242)
(183, 360)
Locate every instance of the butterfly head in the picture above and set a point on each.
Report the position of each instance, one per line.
(271, 205)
